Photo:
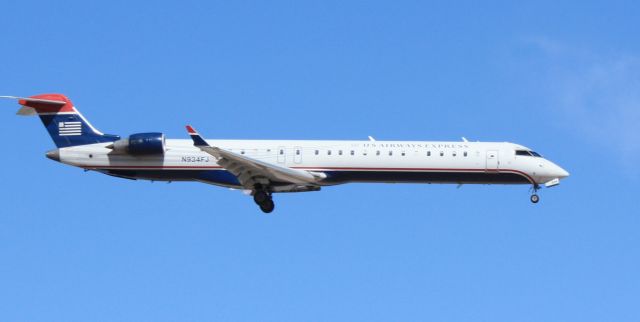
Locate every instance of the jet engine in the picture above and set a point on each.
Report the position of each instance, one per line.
(140, 144)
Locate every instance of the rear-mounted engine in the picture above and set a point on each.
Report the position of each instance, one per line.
(140, 144)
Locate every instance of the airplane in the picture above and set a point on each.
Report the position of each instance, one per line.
(264, 167)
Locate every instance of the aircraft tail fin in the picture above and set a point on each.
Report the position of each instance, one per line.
(63, 121)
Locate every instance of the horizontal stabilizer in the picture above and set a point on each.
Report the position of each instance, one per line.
(28, 107)
(28, 101)
(34, 102)
(35, 105)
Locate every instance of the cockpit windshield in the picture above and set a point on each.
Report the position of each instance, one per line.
(528, 153)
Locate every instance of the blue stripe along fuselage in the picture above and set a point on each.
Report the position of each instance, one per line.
(223, 177)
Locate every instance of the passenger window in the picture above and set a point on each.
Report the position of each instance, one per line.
(441, 153)
(402, 153)
(281, 152)
(297, 152)
(454, 153)
(378, 152)
(364, 152)
(428, 153)
(317, 152)
(339, 152)
(328, 152)
(353, 152)
(241, 151)
(390, 152)
(465, 153)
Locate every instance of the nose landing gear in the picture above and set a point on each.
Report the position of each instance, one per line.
(534, 197)
(264, 200)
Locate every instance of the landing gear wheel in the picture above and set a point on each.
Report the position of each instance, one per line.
(267, 206)
(260, 197)
(535, 198)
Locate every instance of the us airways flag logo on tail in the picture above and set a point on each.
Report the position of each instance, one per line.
(63, 121)
(69, 128)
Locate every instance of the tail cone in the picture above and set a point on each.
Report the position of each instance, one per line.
(54, 155)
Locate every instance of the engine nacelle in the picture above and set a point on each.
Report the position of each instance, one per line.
(141, 144)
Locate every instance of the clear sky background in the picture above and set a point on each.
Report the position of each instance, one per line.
(560, 77)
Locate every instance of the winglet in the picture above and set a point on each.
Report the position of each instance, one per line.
(197, 139)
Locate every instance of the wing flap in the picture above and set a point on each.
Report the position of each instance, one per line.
(237, 164)
(247, 169)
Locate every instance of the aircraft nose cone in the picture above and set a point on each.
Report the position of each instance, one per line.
(560, 172)
(54, 155)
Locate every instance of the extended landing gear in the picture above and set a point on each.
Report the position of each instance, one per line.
(267, 206)
(263, 199)
(534, 197)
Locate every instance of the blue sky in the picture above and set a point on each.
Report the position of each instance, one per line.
(562, 78)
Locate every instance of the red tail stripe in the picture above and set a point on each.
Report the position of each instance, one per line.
(49, 107)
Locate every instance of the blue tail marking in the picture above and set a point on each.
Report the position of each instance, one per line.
(72, 129)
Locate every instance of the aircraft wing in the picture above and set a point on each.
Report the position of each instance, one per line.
(250, 171)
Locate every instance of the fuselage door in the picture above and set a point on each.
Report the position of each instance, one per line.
(281, 154)
(297, 154)
(492, 160)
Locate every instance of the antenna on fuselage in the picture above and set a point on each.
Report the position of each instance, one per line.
(371, 138)
(464, 139)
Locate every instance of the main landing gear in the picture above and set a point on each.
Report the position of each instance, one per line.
(534, 197)
(263, 199)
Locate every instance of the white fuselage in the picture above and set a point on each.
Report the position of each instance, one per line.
(264, 167)
(344, 161)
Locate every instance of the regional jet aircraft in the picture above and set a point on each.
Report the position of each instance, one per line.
(264, 167)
